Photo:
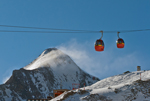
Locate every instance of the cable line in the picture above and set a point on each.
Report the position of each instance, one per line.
(43, 31)
(126, 31)
(55, 30)
(45, 28)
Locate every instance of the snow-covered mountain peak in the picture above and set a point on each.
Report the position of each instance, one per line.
(51, 57)
(51, 70)
(48, 50)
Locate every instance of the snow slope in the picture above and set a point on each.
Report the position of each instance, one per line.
(123, 87)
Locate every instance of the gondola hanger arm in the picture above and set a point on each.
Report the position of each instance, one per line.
(118, 34)
(102, 34)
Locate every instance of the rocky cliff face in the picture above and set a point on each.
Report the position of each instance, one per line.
(38, 79)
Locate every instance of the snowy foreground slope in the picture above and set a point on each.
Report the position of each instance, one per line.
(123, 87)
(46, 73)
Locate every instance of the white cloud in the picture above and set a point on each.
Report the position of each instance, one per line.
(100, 64)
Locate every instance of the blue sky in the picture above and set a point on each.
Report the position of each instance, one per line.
(19, 49)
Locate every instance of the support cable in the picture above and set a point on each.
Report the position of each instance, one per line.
(55, 30)
(46, 28)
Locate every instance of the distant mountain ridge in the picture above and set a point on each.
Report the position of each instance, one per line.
(38, 79)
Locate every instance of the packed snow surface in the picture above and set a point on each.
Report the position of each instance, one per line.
(107, 87)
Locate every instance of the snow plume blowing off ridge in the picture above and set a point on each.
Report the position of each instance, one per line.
(55, 59)
(101, 64)
(48, 57)
(46, 73)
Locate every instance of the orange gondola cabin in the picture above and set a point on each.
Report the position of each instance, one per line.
(99, 45)
(120, 43)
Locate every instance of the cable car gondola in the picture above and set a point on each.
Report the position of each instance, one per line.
(120, 42)
(99, 44)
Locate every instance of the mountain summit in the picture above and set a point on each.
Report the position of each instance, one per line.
(46, 73)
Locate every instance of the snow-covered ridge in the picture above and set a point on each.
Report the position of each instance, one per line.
(122, 79)
(48, 50)
(123, 87)
(51, 57)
